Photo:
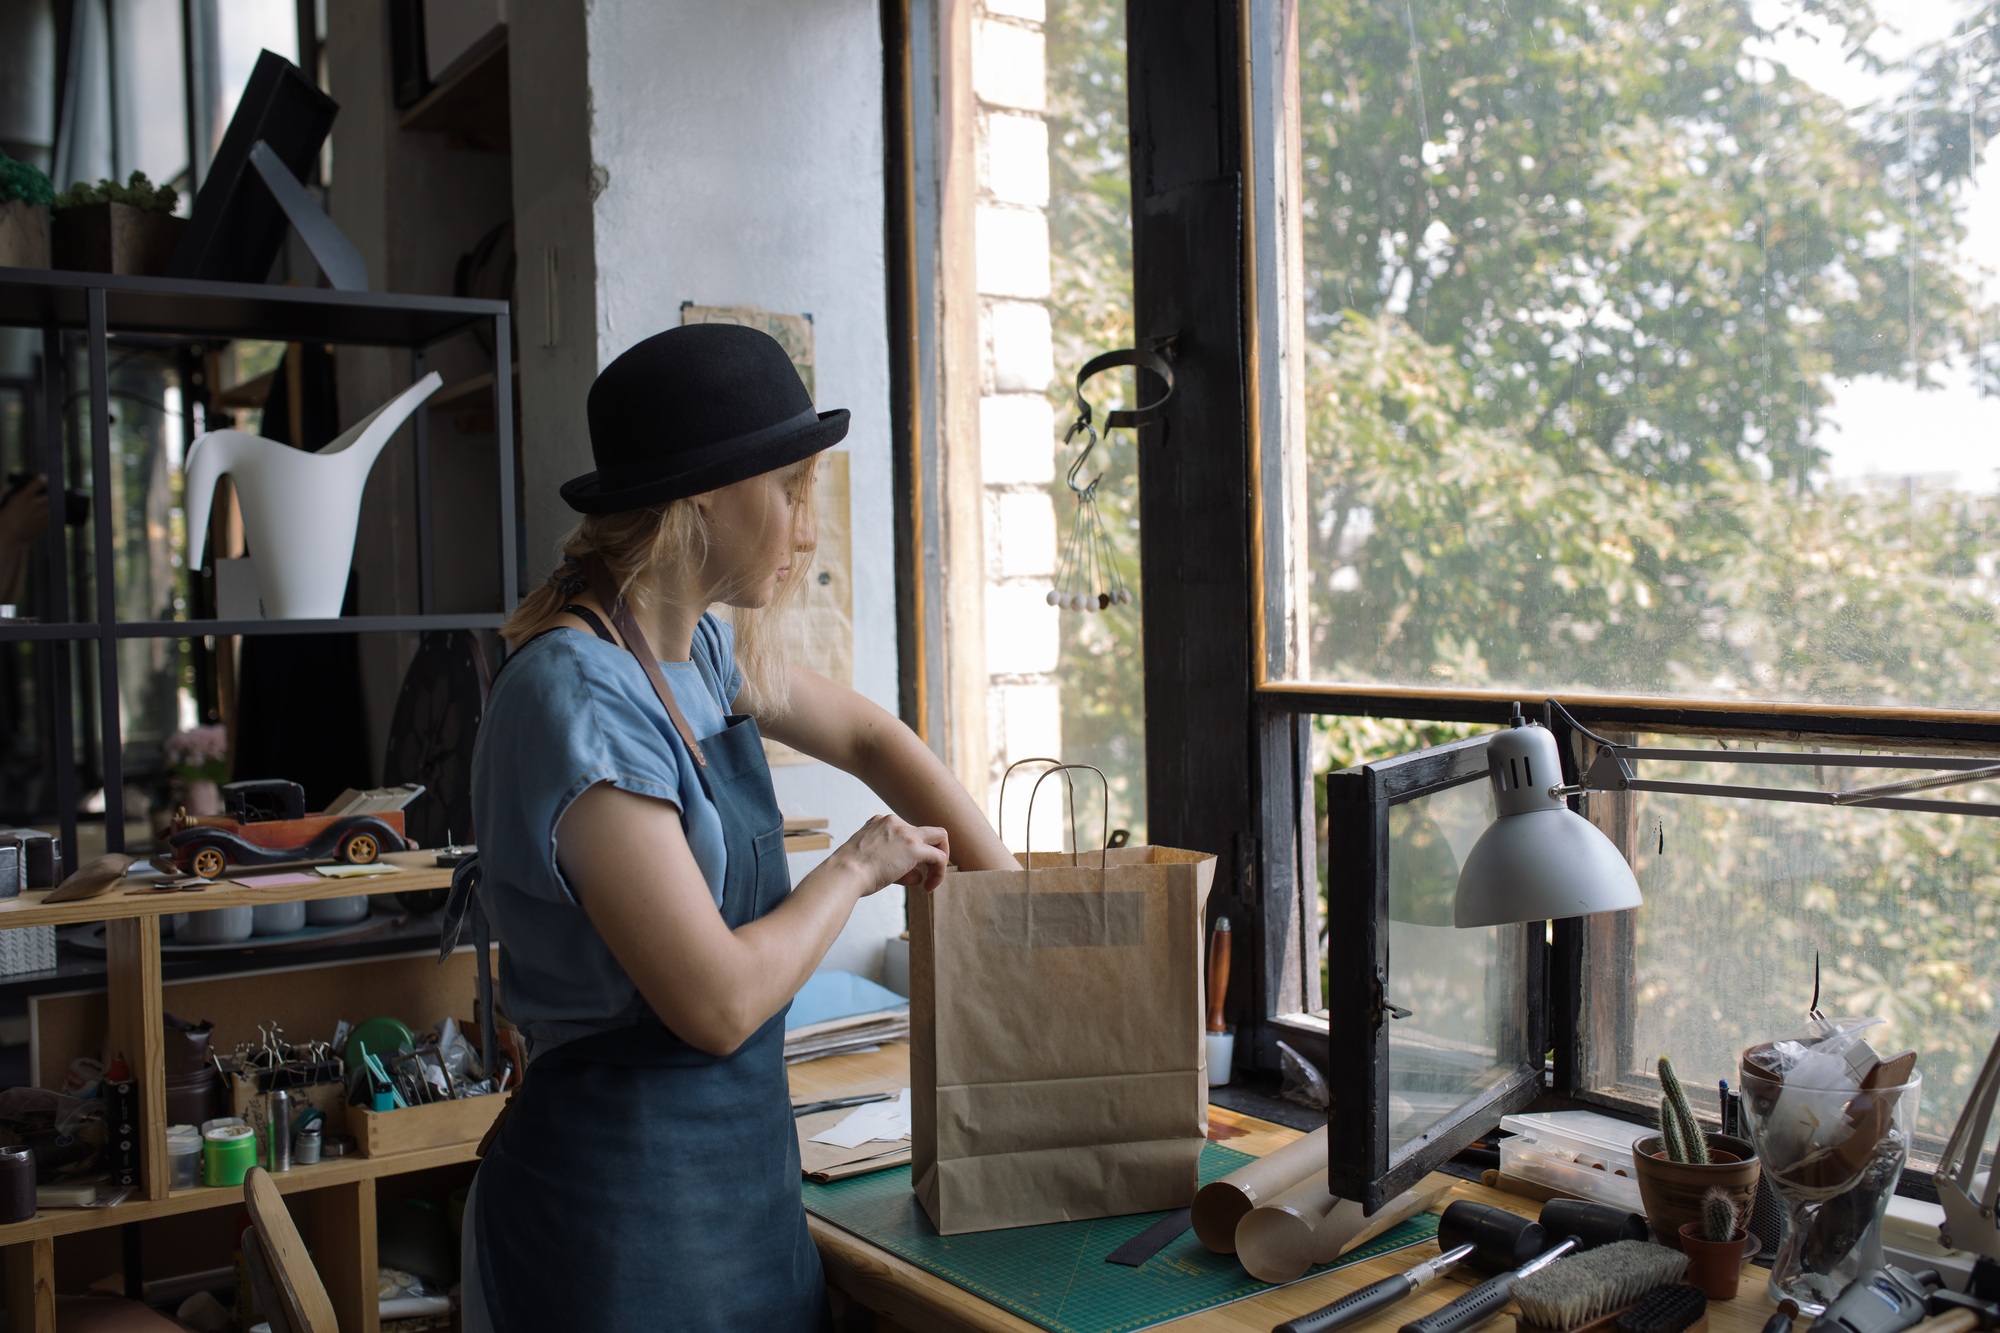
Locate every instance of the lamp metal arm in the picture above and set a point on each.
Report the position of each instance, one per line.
(1612, 771)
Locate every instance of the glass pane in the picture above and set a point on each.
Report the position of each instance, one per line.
(1651, 349)
(1054, 161)
(1465, 989)
(1090, 307)
(1902, 908)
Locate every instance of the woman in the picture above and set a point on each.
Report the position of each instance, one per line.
(633, 864)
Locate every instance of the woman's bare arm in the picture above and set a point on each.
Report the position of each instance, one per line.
(628, 861)
(841, 727)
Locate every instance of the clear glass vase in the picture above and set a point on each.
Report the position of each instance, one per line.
(1833, 1155)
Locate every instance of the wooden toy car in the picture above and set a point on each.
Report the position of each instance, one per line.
(266, 824)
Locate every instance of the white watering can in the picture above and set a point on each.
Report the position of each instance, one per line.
(300, 509)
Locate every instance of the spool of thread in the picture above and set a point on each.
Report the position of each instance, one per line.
(17, 1184)
(227, 1154)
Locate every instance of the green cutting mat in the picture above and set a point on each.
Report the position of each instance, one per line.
(1055, 1275)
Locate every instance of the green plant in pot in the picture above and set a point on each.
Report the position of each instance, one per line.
(114, 228)
(25, 196)
(1717, 1245)
(1679, 1166)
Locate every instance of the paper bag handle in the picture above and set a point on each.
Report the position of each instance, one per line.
(1075, 850)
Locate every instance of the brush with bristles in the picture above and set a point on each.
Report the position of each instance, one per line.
(1594, 1286)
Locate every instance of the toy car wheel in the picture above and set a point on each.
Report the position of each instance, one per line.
(208, 861)
(360, 850)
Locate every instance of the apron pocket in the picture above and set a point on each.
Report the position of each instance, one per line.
(774, 872)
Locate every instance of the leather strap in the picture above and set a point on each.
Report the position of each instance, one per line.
(606, 592)
(590, 618)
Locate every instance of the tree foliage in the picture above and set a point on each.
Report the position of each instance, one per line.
(1581, 278)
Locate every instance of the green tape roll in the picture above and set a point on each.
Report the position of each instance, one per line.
(227, 1154)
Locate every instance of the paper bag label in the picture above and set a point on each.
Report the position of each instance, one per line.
(1067, 920)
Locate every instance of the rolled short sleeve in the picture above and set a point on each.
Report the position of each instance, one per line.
(555, 730)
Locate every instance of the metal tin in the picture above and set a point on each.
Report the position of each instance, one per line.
(305, 1146)
(17, 1184)
(281, 1130)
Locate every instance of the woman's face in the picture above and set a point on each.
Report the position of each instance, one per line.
(760, 527)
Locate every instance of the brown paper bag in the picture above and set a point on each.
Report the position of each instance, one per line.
(1057, 1067)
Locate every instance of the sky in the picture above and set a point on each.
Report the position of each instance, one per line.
(1881, 428)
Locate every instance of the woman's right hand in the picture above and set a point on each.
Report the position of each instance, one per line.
(889, 850)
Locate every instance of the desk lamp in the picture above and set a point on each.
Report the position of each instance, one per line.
(1967, 1184)
(1539, 860)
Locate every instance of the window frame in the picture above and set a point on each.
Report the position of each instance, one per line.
(1361, 1164)
(1214, 96)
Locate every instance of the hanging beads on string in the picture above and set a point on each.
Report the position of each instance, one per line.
(1088, 577)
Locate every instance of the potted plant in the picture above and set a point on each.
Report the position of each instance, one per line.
(199, 758)
(1678, 1166)
(25, 196)
(113, 228)
(1716, 1245)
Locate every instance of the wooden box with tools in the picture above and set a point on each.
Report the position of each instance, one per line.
(437, 1125)
(329, 1098)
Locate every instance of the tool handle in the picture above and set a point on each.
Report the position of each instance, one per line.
(1218, 974)
(1351, 1306)
(1958, 1321)
(1477, 1306)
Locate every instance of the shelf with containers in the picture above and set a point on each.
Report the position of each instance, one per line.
(336, 1199)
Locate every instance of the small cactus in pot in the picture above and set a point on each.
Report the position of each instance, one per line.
(1719, 1218)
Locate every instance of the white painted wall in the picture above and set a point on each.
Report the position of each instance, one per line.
(739, 152)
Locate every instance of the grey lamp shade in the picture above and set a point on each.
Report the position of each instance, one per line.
(1539, 860)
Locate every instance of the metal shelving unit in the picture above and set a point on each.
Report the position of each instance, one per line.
(99, 306)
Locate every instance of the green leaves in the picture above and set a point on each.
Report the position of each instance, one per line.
(136, 191)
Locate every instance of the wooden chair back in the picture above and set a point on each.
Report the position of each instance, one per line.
(297, 1301)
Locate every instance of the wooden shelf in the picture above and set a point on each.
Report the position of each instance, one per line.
(130, 898)
(339, 1193)
(471, 102)
(322, 1175)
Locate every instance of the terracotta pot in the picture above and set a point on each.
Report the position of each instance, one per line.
(1672, 1190)
(1716, 1265)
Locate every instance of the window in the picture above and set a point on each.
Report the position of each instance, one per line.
(1019, 143)
(1644, 356)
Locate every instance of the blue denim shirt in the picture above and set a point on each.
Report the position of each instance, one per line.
(571, 711)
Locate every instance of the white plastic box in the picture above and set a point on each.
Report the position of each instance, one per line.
(1579, 1152)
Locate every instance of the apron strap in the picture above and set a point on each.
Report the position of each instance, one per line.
(606, 593)
(463, 908)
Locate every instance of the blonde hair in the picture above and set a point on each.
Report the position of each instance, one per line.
(637, 547)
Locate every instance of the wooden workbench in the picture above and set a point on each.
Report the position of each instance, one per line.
(903, 1296)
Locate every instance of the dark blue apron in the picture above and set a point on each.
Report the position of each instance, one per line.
(639, 1183)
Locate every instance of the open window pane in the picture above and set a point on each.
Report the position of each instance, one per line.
(1648, 349)
(1434, 1032)
(1465, 990)
(1902, 907)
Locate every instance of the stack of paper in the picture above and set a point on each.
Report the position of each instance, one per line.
(880, 1138)
(838, 1013)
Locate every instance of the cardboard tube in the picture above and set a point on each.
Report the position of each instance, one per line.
(1280, 1240)
(1221, 1204)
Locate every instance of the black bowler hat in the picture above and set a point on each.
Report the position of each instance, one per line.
(693, 409)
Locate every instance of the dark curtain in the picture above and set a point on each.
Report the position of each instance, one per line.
(298, 696)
